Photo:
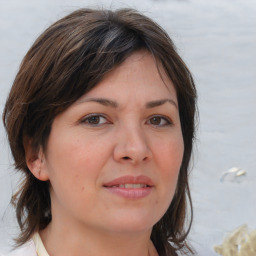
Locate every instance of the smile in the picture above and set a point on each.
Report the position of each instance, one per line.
(132, 187)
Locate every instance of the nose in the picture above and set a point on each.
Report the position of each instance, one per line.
(132, 146)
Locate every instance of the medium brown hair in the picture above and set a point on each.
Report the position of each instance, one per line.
(64, 63)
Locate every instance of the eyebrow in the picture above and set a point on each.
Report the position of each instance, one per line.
(114, 104)
(156, 103)
(102, 101)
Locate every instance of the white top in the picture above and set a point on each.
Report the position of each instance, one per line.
(33, 247)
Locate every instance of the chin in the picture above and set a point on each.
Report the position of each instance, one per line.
(133, 223)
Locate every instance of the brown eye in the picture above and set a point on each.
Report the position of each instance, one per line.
(159, 121)
(95, 120)
(156, 120)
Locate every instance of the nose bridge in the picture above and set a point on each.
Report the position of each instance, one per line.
(132, 144)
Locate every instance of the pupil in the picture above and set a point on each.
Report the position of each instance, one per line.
(155, 120)
(94, 120)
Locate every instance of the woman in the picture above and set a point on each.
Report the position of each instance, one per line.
(100, 120)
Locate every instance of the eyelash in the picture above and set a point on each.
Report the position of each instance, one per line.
(166, 120)
(86, 120)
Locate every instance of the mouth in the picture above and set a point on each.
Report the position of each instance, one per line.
(133, 187)
(129, 181)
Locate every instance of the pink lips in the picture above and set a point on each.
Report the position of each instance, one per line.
(133, 187)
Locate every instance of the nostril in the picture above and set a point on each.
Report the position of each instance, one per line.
(126, 158)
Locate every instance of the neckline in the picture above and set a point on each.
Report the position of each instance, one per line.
(40, 249)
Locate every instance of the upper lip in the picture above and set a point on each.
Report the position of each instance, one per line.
(128, 179)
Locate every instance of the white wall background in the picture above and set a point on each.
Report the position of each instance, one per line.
(217, 39)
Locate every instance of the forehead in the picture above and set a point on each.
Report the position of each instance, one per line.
(139, 76)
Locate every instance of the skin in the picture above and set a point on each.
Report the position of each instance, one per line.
(128, 136)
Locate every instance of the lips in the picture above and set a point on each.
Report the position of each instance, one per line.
(130, 182)
(132, 187)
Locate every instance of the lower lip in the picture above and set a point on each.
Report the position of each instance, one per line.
(132, 193)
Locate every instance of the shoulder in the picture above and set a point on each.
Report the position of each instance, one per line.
(28, 249)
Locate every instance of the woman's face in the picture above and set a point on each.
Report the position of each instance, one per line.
(113, 157)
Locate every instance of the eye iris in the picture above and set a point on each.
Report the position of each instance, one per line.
(156, 120)
(94, 120)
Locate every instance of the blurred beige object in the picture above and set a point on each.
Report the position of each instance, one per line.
(240, 242)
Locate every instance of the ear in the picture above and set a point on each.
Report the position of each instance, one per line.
(35, 160)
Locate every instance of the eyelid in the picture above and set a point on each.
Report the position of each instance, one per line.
(166, 118)
(86, 117)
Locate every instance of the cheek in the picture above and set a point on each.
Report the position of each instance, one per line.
(169, 159)
(170, 153)
(74, 159)
(71, 166)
